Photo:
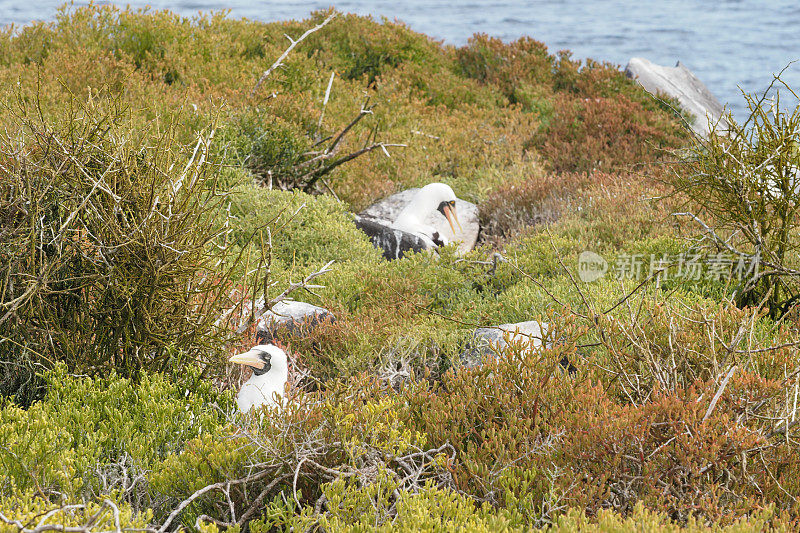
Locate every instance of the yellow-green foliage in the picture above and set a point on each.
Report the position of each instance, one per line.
(307, 231)
(90, 436)
(464, 113)
(23, 509)
(419, 309)
(434, 510)
(110, 244)
(428, 510)
(343, 430)
(642, 520)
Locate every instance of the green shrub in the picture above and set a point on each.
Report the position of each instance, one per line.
(30, 45)
(24, 509)
(380, 310)
(641, 519)
(466, 114)
(612, 215)
(90, 437)
(109, 246)
(307, 231)
(271, 151)
(745, 183)
(354, 429)
(516, 68)
(359, 48)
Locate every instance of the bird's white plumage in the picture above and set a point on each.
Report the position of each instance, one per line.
(267, 388)
(412, 218)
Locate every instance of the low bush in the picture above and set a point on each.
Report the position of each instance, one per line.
(109, 247)
(89, 438)
(513, 208)
(613, 216)
(744, 195)
(653, 423)
(24, 509)
(358, 48)
(606, 134)
(351, 432)
(307, 231)
(473, 111)
(517, 69)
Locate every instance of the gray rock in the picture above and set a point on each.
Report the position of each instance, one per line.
(487, 343)
(386, 212)
(394, 242)
(679, 82)
(288, 318)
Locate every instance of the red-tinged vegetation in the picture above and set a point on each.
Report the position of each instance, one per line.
(510, 209)
(612, 134)
(464, 112)
(587, 206)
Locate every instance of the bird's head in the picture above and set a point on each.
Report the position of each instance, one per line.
(262, 358)
(443, 197)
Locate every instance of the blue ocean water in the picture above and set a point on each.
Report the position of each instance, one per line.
(729, 44)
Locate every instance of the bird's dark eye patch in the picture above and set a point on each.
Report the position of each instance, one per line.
(267, 358)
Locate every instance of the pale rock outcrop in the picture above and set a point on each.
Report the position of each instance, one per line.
(680, 83)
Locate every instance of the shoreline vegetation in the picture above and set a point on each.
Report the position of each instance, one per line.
(159, 175)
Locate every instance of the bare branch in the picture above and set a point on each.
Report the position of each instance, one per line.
(279, 61)
(719, 393)
(305, 284)
(208, 488)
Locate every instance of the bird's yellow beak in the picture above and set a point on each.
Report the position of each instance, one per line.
(450, 214)
(249, 359)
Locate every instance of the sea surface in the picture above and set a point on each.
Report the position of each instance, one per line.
(731, 45)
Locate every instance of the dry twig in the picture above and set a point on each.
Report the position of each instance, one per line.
(285, 54)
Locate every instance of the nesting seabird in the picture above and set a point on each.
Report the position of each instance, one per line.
(270, 374)
(432, 197)
(411, 229)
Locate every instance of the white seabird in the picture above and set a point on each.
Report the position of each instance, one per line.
(411, 228)
(430, 198)
(270, 374)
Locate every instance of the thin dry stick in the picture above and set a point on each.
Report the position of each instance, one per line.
(208, 488)
(719, 240)
(43, 527)
(283, 56)
(256, 505)
(719, 393)
(305, 284)
(325, 101)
